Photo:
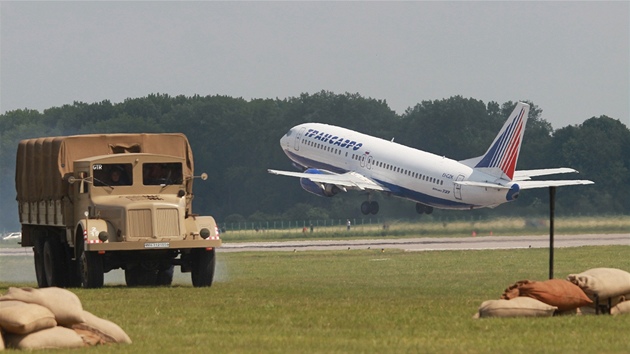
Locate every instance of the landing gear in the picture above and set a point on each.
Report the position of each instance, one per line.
(423, 209)
(368, 207)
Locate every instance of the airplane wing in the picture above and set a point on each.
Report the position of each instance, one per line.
(527, 174)
(351, 180)
(543, 184)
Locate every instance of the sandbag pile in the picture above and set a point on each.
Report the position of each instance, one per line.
(52, 318)
(598, 290)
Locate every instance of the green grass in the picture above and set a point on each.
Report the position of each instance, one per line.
(355, 301)
(429, 227)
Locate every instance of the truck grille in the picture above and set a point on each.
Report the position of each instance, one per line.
(141, 223)
(167, 222)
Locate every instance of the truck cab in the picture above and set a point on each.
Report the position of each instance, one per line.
(139, 206)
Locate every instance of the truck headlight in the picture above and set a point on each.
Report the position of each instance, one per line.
(205, 233)
(103, 236)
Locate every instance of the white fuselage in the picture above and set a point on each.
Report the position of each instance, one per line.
(406, 172)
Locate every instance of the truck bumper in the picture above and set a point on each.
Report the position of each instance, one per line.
(152, 245)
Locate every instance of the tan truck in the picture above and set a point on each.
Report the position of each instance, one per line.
(89, 204)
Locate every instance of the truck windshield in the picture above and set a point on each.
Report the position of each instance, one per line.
(115, 174)
(161, 173)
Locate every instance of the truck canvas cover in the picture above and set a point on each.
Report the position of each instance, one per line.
(42, 163)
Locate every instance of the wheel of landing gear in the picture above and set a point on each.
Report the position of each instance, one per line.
(90, 268)
(374, 207)
(365, 208)
(53, 263)
(203, 263)
(419, 208)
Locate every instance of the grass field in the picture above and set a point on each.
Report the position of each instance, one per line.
(430, 227)
(356, 301)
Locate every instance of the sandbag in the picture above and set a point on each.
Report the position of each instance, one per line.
(64, 304)
(50, 338)
(107, 330)
(555, 292)
(9, 303)
(521, 306)
(26, 318)
(602, 282)
(89, 338)
(620, 308)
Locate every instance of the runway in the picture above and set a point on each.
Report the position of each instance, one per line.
(410, 244)
(435, 244)
(13, 258)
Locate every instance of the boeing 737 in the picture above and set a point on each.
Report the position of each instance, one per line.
(335, 159)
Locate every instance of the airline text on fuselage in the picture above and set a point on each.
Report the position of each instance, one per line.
(333, 139)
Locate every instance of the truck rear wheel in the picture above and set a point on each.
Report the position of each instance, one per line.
(203, 262)
(38, 257)
(90, 268)
(54, 263)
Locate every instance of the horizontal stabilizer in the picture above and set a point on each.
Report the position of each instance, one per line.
(526, 174)
(351, 180)
(560, 183)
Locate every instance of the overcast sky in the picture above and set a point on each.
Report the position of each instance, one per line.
(572, 59)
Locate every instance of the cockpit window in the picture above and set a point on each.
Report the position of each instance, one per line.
(118, 174)
(154, 174)
(289, 132)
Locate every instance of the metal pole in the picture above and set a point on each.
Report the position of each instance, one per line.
(552, 210)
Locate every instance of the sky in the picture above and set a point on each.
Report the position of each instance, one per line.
(571, 59)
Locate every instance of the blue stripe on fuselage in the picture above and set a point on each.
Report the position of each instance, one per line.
(396, 190)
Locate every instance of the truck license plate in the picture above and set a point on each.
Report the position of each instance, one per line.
(157, 245)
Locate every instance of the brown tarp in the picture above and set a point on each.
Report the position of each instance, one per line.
(42, 163)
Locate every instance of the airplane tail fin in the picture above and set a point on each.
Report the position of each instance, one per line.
(500, 159)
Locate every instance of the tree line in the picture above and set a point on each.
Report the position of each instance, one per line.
(236, 140)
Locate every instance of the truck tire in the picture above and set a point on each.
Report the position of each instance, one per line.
(54, 263)
(38, 257)
(90, 266)
(138, 275)
(165, 276)
(203, 262)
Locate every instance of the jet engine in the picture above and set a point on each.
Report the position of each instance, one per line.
(320, 189)
(513, 193)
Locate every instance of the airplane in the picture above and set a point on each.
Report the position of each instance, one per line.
(335, 159)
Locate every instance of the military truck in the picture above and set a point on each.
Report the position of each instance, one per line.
(89, 204)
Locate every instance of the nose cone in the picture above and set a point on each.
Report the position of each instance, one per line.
(285, 141)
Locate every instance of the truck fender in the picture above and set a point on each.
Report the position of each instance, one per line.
(91, 230)
(194, 225)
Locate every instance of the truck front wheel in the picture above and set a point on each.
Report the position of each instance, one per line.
(203, 262)
(90, 268)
